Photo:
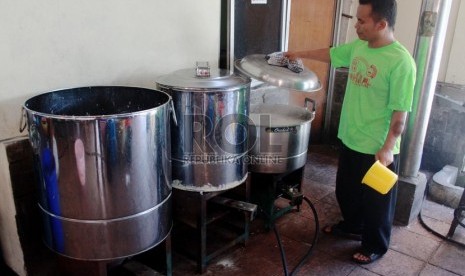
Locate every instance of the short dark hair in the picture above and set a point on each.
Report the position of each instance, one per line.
(382, 9)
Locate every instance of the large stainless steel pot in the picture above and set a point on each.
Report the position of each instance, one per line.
(103, 157)
(209, 143)
(278, 133)
(278, 136)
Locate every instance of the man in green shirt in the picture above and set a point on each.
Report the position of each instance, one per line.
(378, 96)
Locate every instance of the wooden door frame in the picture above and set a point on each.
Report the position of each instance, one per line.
(300, 38)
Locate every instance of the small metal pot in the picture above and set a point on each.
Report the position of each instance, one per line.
(279, 136)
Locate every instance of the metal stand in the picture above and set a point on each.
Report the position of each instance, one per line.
(458, 216)
(149, 262)
(199, 211)
(266, 188)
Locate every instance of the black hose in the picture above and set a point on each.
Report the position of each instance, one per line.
(315, 238)
(310, 250)
(457, 213)
(437, 234)
(281, 250)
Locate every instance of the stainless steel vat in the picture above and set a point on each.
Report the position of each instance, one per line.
(279, 136)
(209, 143)
(103, 157)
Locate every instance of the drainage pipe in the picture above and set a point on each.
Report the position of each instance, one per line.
(429, 44)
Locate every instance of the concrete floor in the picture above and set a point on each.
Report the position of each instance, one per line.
(413, 249)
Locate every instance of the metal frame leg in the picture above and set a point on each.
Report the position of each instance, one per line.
(457, 216)
(169, 258)
(202, 231)
(200, 220)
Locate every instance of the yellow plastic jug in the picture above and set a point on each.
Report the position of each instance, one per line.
(380, 178)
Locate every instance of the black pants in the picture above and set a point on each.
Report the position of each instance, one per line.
(364, 210)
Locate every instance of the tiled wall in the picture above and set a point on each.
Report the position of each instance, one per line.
(445, 137)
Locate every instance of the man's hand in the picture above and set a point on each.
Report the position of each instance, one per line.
(385, 156)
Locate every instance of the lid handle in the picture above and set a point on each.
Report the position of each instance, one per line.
(313, 102)
(202, 69)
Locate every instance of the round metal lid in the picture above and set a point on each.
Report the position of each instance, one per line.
(191, 79)
(256, 66)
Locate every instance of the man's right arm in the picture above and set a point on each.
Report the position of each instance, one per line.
(317, 54)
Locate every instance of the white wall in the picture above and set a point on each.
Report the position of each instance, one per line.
(406, 24)
(408, 12)
(456, 61)
(48, 44)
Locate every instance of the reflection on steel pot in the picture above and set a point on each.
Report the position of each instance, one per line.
(102, 154)
(209, 144)
(279, 136)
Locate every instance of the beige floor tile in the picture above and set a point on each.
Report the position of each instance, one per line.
(450, 257)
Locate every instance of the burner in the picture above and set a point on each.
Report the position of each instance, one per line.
(268, 188)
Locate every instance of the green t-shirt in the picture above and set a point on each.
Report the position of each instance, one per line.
(381, 80)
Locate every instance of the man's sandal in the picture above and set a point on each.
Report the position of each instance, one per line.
(337, 230)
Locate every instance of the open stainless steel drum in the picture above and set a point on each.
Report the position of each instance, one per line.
(103, 157)
(209, 143)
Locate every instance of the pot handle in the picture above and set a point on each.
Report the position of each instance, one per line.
(307, 101)
(23, 120)
(173, 112)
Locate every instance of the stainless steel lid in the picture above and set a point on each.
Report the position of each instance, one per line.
(256, 66)
(202, 78)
